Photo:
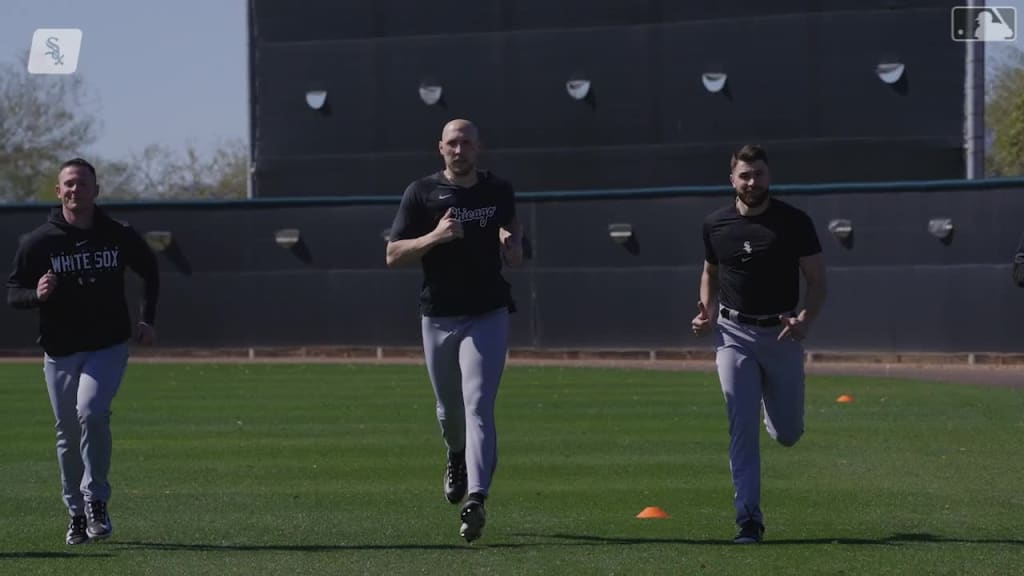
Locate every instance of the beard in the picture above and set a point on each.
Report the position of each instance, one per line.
(461, 167)
(754, 198)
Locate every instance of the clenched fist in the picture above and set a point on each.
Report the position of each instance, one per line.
(47, 284)
(449, 228)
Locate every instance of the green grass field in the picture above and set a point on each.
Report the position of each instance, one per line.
(335, 469)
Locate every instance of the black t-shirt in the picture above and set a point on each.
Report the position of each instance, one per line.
(758, 257)
(461, 277)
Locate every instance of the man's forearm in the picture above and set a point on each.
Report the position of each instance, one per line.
(22, 298)
(708, 290)
(410, 251)
(512, 247)
(813, 301)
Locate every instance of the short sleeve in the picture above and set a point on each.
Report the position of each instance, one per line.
(509, 201)
(807, 243)
(408, 221)
(709, 250)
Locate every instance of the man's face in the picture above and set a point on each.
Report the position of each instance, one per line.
(460, 148)
(751, 182)
(77, 189)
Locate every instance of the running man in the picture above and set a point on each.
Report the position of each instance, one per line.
(756, 249)
(72, 270)
(460, 225)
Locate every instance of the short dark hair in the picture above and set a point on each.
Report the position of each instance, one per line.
(750, 153)
(79, 162)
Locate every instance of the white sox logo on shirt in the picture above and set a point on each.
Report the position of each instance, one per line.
(469, 215)
(79, 261)
(749, 250)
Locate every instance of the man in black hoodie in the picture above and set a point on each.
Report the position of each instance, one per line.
(72, 269)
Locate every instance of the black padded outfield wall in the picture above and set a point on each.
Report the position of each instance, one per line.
(894, 288)
(801, 79)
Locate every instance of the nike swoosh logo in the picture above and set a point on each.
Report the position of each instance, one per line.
(80, 243)
(445, 196)
(746, 259)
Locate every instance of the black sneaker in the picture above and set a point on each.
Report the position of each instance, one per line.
(76, 531)
(98, 525)
(751, 532)
(455, 479)
(473, 517)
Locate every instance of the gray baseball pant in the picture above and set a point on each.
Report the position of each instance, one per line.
(757, 371)
(465, 357)
(81, 388)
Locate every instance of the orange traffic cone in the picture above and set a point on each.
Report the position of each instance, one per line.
(844, 399)
(652, 512)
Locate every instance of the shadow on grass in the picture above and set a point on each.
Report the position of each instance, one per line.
(48, 555)
(308, 548)
(924, 537)
(894, 540)
(563, 540)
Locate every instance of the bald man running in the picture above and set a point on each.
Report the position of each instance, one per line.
(460, 224)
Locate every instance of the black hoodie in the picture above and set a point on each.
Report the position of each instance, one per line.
(87, 310)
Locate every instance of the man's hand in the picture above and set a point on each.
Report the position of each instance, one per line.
(511, 247)
(448, 228)
(145, 334)
(701, 323)
(794, 327)
(47, 284)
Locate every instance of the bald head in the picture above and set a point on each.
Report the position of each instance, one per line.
(459, 146)
(459, 125)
